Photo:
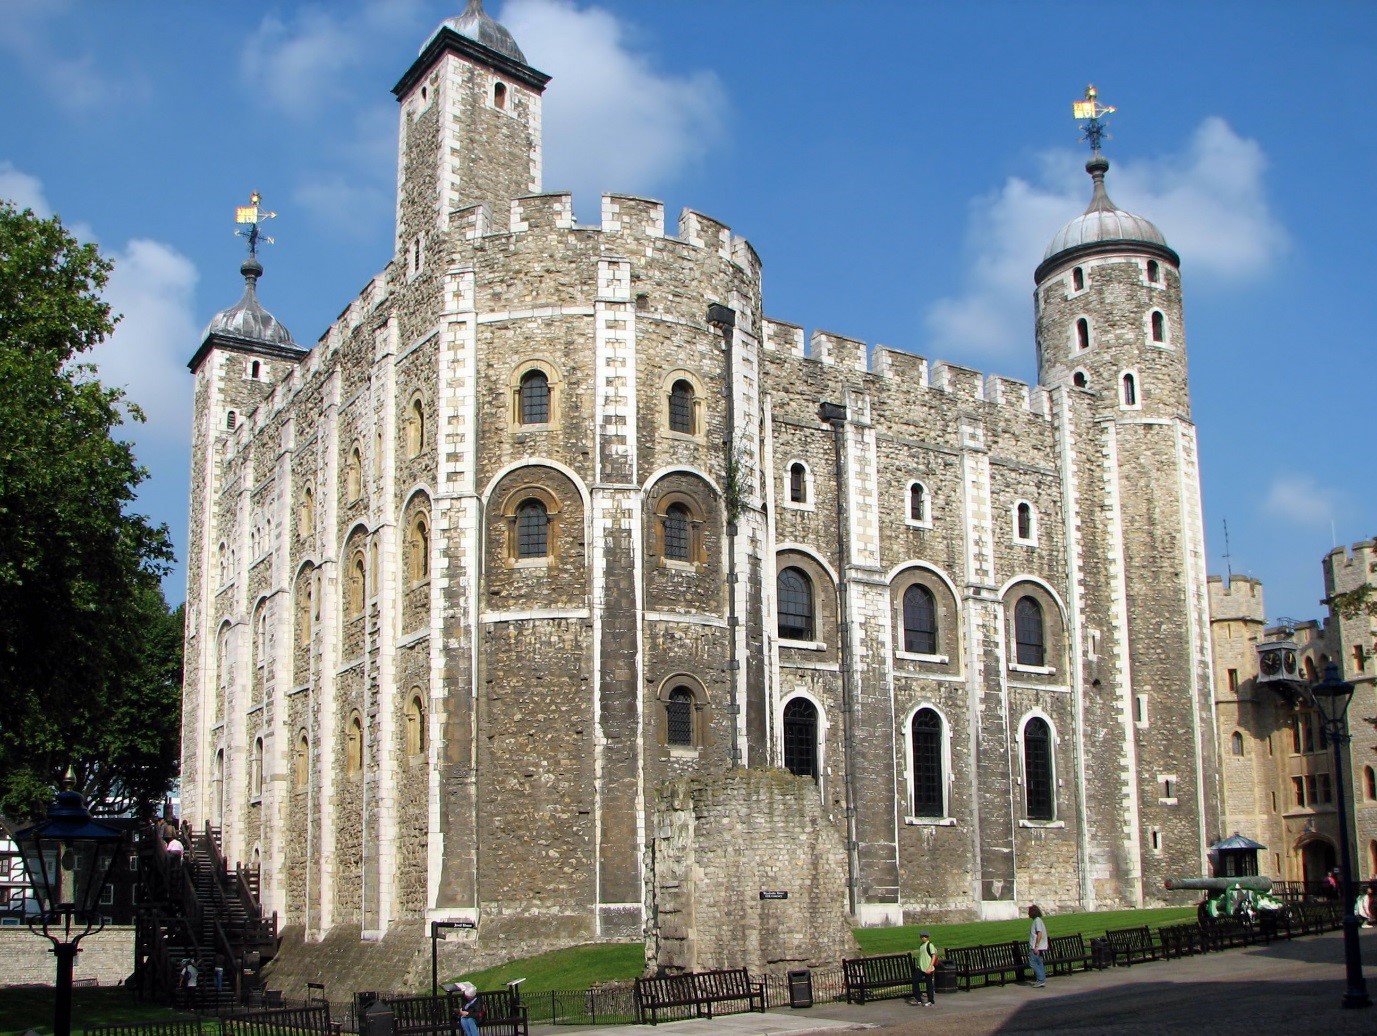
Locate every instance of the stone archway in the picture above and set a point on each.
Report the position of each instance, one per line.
(1318, 858)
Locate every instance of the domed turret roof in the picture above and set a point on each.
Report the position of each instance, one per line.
(247, 318)
(1102, 220)
(478, 26)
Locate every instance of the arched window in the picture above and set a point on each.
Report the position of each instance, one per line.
(1082, 333)
(1236, 743)
(795, 605)
(1130, 391)
(260, 636)
(676, 533)
(681, 407)
(256, 771)
(798, 483)
(358, 577)
(801, 738)
(1077, 279)
(255, 370)
(1079, 379)
(917, 503)
(353, 744)
(929, 783)
(920, 621)
(1154, 272)
(679, 718)
(499, 95)
(534, 399)
(1039, 792)
(1024, 526)
(415, 723)
(418, 549)
(1370, 783)
(416, 428)
(306, 519)
(353, 474)
(1159, 326)
(231, 419)
(1030, 645)
(218, 792)
(301, 760)
(532, 530)
(224, 562)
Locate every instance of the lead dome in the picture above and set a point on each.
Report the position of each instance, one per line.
(1103, 221)
(477, 25)
(247, 318)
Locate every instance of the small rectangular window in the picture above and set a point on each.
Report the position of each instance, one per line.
(1310, 790)
(1140, 711)
(1233, 681)
(1274, 802)
(1298, 787)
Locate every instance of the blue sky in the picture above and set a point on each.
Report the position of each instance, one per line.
(898, 166)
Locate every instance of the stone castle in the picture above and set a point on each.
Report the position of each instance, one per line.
(553, 515)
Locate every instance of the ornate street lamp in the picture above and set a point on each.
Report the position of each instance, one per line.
(1332, 696)
(68, 858)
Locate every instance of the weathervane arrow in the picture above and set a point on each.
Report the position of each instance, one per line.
(1089, 111)
(253, 217)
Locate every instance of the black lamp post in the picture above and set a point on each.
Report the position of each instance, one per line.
(1332, 696)
(68, 858)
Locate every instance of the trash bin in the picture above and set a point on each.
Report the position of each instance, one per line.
(1100, 955)
(801, 988)
(945, 977)
(377, 1019)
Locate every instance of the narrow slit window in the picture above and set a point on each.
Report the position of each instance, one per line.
(1159, 326)
(1130, 391)
(798, 484)
(1082, 333)
(1077, 279)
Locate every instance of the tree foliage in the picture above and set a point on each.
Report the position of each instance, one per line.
(89, 665)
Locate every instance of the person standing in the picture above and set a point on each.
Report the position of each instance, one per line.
(923, 974)
(1037, 946)
(189, 978)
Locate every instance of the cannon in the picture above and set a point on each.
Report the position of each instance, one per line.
(1248, 882)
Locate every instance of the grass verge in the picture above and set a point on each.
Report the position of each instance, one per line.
(31, 1007)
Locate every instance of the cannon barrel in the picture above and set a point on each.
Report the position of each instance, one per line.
(1251, 882)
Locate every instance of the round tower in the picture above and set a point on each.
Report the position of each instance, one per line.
(1108, 304)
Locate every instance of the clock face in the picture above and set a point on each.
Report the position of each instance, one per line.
(1271, 663)
(1289, 661)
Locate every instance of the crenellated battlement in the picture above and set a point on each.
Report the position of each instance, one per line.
(1236, 598)
(951, 379)
(1346, 568)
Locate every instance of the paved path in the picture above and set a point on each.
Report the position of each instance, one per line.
(1289, 988)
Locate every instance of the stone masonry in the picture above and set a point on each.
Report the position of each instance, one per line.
(553, 515)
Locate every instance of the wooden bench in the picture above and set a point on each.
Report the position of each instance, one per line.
(1224, 933)
(1132, 944)
(877, 978)
(1182, 940)
(188, 1027)
(697, 989)
(994, 962)
(1065, 952)
(503, 1013)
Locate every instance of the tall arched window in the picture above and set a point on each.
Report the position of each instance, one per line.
(534, 405)
(1030, 644)
(358, 578)
(499, 95)
(218, 792)
(416, 428)
(920, 621)
(798, 483)
(679, 718)
(1236, 743)
(681, 407)
(1159, 326)
(801, 738)
(415, 723)
(929, 783)
(1154, 272)
(917, 503)
(1077, 279)
(1038, 788)
(676, 532)
(532, 530)
(301, 761)
(1130, 391)
(306, 520)
(353, 743)
(1082, 333)
(418, 549)
(353, 475)
(1023, 521)
(256, 771)
(795, 605)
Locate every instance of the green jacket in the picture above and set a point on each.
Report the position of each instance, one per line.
(927, 956)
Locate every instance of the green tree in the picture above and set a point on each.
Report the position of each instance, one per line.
(89, 667)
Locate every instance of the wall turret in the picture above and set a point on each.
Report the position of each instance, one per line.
(1108, 303)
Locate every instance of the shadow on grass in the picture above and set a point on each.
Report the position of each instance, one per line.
(31, 1007)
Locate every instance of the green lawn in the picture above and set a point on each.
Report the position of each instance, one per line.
(580, 966)
(28, 1008)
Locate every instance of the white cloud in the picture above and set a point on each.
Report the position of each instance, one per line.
(651, 124)
(1209, 202)
(25, 191)
(152, 287)
(303, 65)
(1300, 500)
